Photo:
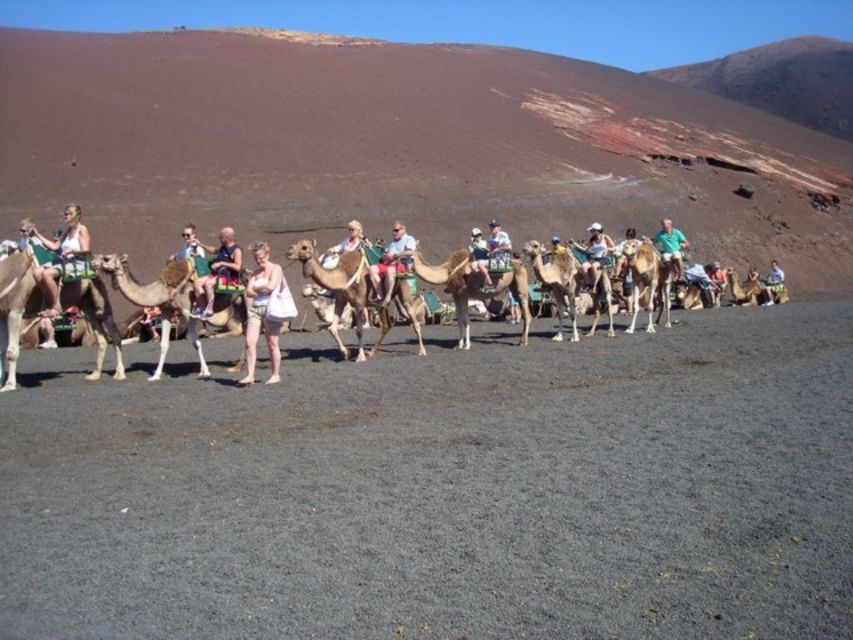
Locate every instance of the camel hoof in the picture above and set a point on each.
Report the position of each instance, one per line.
(153, 378)
(93, 376)
(119, 376)
(651, 329)
(7, 387)
(629, 330)
(558, 337)
(668, 325)
(422, 352)
(611, 334)
(204, 374)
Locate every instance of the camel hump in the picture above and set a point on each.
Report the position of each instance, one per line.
(350, 261)
(175, 273)
(563, 262)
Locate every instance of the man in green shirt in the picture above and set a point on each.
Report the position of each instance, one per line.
(671, 242)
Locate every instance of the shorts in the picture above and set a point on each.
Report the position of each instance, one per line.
(258, 318)
(627, 286)
(669, 256)
(400, 267)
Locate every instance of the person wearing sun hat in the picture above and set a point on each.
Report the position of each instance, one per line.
(596, 251)
(479, 250)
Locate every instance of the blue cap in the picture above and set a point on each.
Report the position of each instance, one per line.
(555, 238)
(494, 223)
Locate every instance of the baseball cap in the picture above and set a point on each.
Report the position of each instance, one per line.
(476, 231)
(555, 238)
(494, 223)
(595, 226)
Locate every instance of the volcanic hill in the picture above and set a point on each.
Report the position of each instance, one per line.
(808, 80)
(287, 135)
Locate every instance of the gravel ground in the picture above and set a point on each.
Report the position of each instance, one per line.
(695, 483)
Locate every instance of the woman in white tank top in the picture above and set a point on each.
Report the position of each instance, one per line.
(600, 245)
(74, 240)
(265, 280)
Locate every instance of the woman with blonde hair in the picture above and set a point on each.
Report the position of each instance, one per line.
(265, 280)
(354, 241)
(73, 241)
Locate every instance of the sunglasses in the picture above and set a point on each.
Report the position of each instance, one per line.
(187, 235)
(397, 229)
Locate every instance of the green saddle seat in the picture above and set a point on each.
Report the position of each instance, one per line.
(226, 283)
(74, 268)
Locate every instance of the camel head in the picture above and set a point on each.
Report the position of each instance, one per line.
(752, 275)
(631, 248)
(303, 250)
(310, 290)
(532, 248)
(109, 263)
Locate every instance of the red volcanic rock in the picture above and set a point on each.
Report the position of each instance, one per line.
(807, 80)
(292, 135)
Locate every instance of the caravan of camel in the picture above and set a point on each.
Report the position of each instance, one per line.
(350, 288)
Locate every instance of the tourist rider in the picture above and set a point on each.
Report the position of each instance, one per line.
(354, 241)
(397, 257)
(672, 242)
(191, 248)
(227, 263)
(596, 250)
(74, 240)
(479, 250)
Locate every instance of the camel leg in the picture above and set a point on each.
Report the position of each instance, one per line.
(652, 291)
(526, 316)
(635, 299)
(165, 334)
(334, 329)
(192, 329)
(407, 305)
(464, 322)
(560, 303)
(608, 298)
(573, 309)
(10, 330)
(109, 325)
(667, 305)
(384, 328)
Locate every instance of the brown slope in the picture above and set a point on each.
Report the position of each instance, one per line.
(808, 80)
(284, 138)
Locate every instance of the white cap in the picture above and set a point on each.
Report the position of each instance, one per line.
(476, 231)
(595, 226)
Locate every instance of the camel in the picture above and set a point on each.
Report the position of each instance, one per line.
(348, 280)
(646, 271)
(17, 284)
(324, 307)
(19, 293)
(171, 292)
(565, 279)
(456, 274)
(751, 293)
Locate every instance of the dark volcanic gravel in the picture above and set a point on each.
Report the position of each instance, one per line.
(690, 484)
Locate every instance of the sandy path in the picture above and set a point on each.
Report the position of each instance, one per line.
(695, 483)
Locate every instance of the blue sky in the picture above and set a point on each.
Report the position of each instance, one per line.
(639, 35)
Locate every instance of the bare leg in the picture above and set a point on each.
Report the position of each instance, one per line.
(275, 356)
(252, 333)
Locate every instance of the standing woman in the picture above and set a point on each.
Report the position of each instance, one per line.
(263, 282)
(75, 239)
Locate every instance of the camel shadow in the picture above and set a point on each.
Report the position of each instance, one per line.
(34, 380)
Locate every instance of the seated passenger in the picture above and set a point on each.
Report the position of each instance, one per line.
(227, 263)
(599, 246)
(672, 243)
(557, 247)
(499, 245)
(718, 282)
(479, 250)
(777, 276)
(73, 241)
(397, 257)
(354, 241)
(191, 248)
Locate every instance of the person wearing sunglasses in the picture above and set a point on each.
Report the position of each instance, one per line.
(396, 258)
(191, 247)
